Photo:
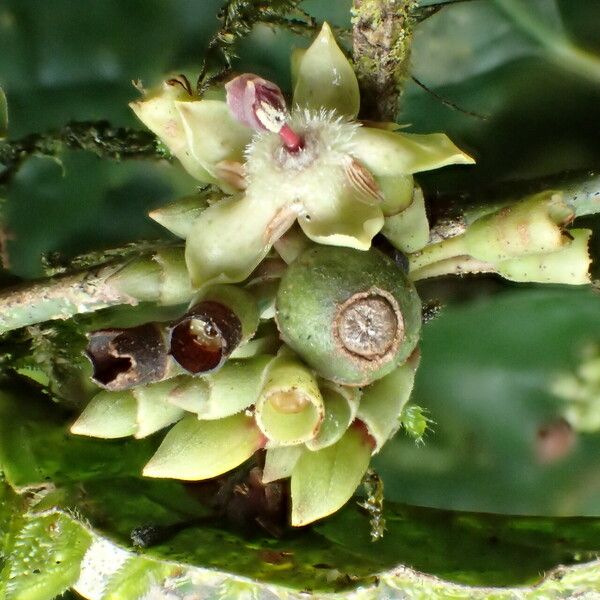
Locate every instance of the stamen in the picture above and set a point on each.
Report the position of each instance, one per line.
(270, 116)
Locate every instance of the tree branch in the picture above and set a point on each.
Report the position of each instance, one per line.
(382, 35)
(100, 137)
(160, 277)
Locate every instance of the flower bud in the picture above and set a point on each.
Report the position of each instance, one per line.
(140, 412)
(382, 402)
(532, 226)
(196, 450)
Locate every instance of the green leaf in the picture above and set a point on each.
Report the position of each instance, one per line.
(44, 558)
(3, 114)
(441, 548)
(37, 450)
(552, 38)
(485, 380)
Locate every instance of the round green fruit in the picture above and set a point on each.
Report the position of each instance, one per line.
(353, 316)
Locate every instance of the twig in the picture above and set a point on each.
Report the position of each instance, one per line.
(100, 137)
(447, 102)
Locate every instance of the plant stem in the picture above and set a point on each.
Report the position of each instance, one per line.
(160, 277)
(382, 35)
(100, 137)
(434, 253)
(451, 212)
(59, 298)
(458, 265)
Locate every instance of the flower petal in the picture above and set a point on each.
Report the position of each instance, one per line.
(213, 135)
(195, 450)
(397, 193)
(341, 220)
(229, 239)
(382, 403)
(392, 153)
(157, 112)
(326, 79)
(323, 481)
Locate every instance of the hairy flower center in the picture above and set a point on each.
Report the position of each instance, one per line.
(315, 170)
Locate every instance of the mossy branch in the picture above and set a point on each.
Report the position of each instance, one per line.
(382, 35)
(101, 138)
(238, 18)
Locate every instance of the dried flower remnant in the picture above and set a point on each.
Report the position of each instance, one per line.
(125, 358)
(205, 336)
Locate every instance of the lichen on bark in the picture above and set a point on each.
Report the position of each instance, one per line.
(382, 35)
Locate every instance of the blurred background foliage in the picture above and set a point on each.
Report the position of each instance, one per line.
(490, 358)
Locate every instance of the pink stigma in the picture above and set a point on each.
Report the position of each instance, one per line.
(291, 140)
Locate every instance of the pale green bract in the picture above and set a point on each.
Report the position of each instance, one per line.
(319, 187)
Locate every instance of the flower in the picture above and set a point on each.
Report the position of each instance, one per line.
(317, 165)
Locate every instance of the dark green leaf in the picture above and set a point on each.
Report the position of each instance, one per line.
(485, 378)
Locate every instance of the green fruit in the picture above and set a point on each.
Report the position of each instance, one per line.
(351, 315)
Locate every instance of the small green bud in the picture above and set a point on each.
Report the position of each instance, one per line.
(382, 402)
(138, 412)
(353, 316)
(341, 406)
(179, 216)
(532, 226)
(160, 278)
(195, 450)
(230, 390)
(280, 462)
(323, 481)
(569, 265)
